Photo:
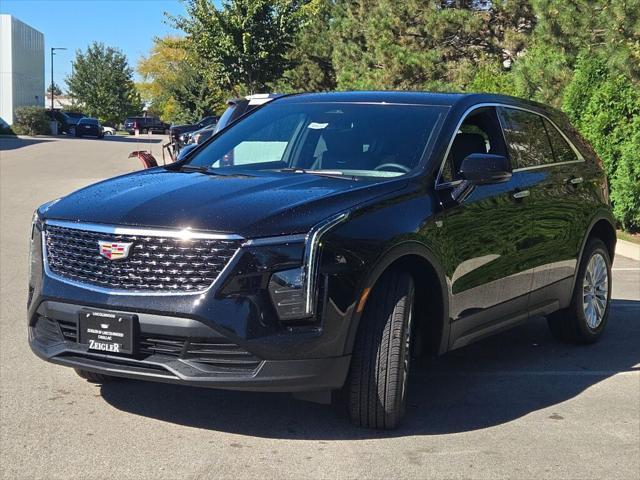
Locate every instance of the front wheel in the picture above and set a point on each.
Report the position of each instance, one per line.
(379, 371)
(584, 320)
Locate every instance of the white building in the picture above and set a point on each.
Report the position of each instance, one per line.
(21, 67)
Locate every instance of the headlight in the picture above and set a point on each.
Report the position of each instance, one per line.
(294, 292)
(285, 269)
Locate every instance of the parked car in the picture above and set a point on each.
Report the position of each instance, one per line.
(237, 107)
(349, 233)
(67, 121)
(145, 125)
(199, 136)
(179, 134)
(108, 130)
(89, 127)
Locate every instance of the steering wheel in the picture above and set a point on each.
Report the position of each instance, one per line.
(403, 168)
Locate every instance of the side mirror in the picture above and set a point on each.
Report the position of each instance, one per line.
(485, 169)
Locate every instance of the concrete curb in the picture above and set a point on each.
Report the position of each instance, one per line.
(628, 249)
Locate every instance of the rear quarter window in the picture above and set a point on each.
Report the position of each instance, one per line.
(526, 138)
(562, 151)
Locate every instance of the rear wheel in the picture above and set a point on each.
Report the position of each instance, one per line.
(380, 363)
(144, 130)
(584, 320)
(94, 377)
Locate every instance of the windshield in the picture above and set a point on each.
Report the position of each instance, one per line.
(346, 138)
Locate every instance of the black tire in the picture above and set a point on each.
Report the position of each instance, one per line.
(570, 325)
(94, 377)
(144, 131)
(376, 387)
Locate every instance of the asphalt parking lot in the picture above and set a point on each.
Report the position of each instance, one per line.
(518, 405)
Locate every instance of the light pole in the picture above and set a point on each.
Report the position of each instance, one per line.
(51, 86)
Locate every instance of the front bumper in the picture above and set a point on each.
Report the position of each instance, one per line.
(179, 350)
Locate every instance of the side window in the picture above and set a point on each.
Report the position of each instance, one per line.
(562, 151)
(526, 138)
(479, 133)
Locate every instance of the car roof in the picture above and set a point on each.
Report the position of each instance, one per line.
(463, 100)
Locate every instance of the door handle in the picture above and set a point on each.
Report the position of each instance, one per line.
(576, 180)
(521, 194)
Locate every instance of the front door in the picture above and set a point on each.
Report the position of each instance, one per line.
(488, 237)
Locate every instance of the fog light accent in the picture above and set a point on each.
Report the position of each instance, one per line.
(287, 293)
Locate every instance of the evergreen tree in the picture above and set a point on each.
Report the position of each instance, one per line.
(310, 55)
(57, 91)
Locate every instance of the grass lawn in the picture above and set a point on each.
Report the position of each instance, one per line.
(629, 237)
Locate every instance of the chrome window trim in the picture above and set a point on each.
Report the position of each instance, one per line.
(311, 261)
(469, 110)
(545, 165)
(134, 293)
(185, 233)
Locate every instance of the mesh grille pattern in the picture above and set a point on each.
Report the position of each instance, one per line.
(154, 263)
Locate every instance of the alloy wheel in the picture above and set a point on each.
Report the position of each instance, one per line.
(595, 291)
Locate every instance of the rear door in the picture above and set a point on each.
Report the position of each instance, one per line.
(487, 237)
(543, 154)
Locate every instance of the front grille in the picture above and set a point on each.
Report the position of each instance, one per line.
(154, 263)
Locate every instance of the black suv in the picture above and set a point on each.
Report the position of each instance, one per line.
(178, 133)
(321, 240)
(145, 125)
(67, 121)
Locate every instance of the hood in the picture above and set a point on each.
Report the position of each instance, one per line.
(266, 204)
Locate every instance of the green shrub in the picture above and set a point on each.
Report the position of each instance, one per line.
(625, 184)
(605, 106)
(31, 121)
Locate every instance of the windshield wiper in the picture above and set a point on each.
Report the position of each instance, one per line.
(211, 171)
(198, 168)
(327, 173)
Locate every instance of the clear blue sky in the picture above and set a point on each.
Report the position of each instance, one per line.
(129, 25)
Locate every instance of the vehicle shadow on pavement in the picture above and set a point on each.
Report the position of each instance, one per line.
(13, 143)
(485, 384)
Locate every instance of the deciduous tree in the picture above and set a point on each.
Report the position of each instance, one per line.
(242, 43)
(102, 84)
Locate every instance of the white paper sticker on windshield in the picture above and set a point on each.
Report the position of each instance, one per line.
(317, 126)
